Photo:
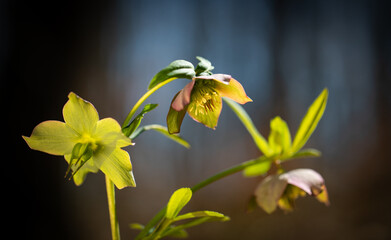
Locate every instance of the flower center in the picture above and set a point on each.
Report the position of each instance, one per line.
(87, 139)
(204, 98)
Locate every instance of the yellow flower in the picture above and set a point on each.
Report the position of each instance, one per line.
(201, 99)
(87, 143)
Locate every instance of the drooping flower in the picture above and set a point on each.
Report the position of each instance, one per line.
(202, 100)
(282, 190)
(87, 143)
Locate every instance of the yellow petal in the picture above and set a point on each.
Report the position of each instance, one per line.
(234, 90)
(205, 111)
(53, 137)
(117, 166)
(80, 115)
(108, 131)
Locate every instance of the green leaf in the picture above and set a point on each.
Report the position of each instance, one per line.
(136, 226)
(194, 223)
(279, 137)
(198, 214)
(257, 169)
(204, 67)
(128, 130)
(304, 153)
(177, 201)
(175, 232)
(310, 121)
(248, 123)
(163, 130)
(176, 69)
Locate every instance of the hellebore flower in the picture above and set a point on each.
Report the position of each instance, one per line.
(281, 190)
(87, 143)
(201, 99)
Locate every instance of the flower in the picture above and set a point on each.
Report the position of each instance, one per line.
(281, 190)
(87, 143)
(201, 99)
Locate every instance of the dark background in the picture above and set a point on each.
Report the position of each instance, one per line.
(283, 52)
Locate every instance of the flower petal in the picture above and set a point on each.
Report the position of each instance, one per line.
(306, 179)
(222, 78)
(183, 97)
(234, 90)
(117, 166)
(53, 137)
(175, 118)
(80, 115)
(269, 191)
(207, 112)
(108, 132)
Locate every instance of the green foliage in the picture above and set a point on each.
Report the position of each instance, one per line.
(176, 69)
(177, 201)
(128, 130)
(163, 130)
(166, 227)
(310, 121)
(259, 140)
(204, 67)
(280, 137)
(279, 146)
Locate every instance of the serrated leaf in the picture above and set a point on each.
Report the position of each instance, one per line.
(163, 130)
(248, 123)
(177, 201)
(310, 121)
(204, 67)
(176, 69)
(257, 169)
(279, 137)
(128, 130)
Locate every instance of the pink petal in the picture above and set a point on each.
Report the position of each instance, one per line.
(307, 179)
(223, 78)
(183, 97)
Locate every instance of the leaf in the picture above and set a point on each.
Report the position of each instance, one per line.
(204, 67)
(279, 137)
(257, 169)
(128, 130)
(248, 123)
(198, 214)
(194, 223)
(176, 69)
(308, 152)
(177, 201)
(136, 226)
(310, 121)
(175, 232)
(163, 130)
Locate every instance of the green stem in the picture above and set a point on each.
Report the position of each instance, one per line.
(202, 184)
(142, 99)
(111, 204)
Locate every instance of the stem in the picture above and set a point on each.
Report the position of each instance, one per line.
(202, 184)
(142, 99)
(111, 204)
(227, 172)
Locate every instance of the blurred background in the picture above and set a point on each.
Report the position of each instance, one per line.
(283, 52)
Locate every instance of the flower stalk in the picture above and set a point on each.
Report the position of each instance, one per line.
(142, 100)
(110, 189)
